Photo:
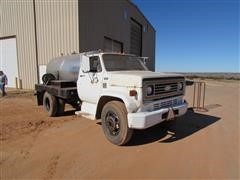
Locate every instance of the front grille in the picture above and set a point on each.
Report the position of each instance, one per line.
(160, 88)
(163, 88)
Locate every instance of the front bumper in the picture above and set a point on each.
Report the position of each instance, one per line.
(143, 120)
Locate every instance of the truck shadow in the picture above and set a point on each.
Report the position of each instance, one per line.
(68, 113)
(168, 132)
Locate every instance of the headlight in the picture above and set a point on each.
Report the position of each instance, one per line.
(180, 86)
(150, 90)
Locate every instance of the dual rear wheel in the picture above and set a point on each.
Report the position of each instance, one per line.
(52, 105)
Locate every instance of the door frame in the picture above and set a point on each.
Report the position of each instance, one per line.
(10, 37)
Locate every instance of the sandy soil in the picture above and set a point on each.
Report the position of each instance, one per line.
(198, 145)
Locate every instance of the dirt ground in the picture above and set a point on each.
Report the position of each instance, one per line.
(198, 145)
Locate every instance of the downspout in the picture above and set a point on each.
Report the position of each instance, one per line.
(79, 26)
(36, 46)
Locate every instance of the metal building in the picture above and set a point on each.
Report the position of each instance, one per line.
(34, 31)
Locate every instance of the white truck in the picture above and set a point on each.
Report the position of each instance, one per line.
(114, 87)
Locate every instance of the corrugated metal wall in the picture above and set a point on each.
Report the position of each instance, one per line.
(16, 19)
(57, 28)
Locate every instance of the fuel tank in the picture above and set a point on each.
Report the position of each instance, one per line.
(65, 67)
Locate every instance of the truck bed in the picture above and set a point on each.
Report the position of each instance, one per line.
(63, 89)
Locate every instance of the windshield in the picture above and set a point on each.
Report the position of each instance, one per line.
(115, 62)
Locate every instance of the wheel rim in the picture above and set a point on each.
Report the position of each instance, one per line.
(112, 123)
(47, 104)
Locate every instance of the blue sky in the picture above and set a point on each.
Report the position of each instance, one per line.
(194, 35)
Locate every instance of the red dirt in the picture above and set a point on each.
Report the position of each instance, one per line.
(199, 145)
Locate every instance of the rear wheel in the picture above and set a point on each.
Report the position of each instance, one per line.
(61, 106)
(50, 104)
(115, 124)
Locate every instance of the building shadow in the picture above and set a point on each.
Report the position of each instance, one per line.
(169, 132)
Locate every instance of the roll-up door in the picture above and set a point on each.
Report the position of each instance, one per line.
(135, 38)
(111, 45)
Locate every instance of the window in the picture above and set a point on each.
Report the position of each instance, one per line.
(114, 62)
(111, 45)
(95, 65)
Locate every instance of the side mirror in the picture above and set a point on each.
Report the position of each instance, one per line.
(144, 60)
(189, 83)
(85, 65)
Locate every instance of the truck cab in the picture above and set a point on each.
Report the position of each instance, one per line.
(119, 89)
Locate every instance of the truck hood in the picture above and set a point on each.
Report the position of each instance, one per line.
(135, 78)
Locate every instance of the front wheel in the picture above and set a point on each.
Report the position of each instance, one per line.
(115, 124)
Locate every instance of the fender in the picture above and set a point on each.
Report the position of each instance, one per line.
(129, 102)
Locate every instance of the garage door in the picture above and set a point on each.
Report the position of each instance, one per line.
(111, 45)
(136, 38)
(8, 60)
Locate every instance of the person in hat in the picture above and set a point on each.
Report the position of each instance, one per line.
(3, 83)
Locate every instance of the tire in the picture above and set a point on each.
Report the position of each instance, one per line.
(115, 124)
(47, 78)
(61, 106)
(50, 104)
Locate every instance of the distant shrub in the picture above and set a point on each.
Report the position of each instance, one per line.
(214, 76)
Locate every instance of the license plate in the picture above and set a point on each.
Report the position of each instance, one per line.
(170, 114)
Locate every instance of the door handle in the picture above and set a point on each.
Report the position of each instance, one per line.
(82, 75)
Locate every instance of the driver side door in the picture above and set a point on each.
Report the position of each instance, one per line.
(89, 83)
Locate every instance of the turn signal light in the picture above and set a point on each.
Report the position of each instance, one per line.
(132, 93)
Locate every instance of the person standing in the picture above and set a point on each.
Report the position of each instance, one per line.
(3, 82)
